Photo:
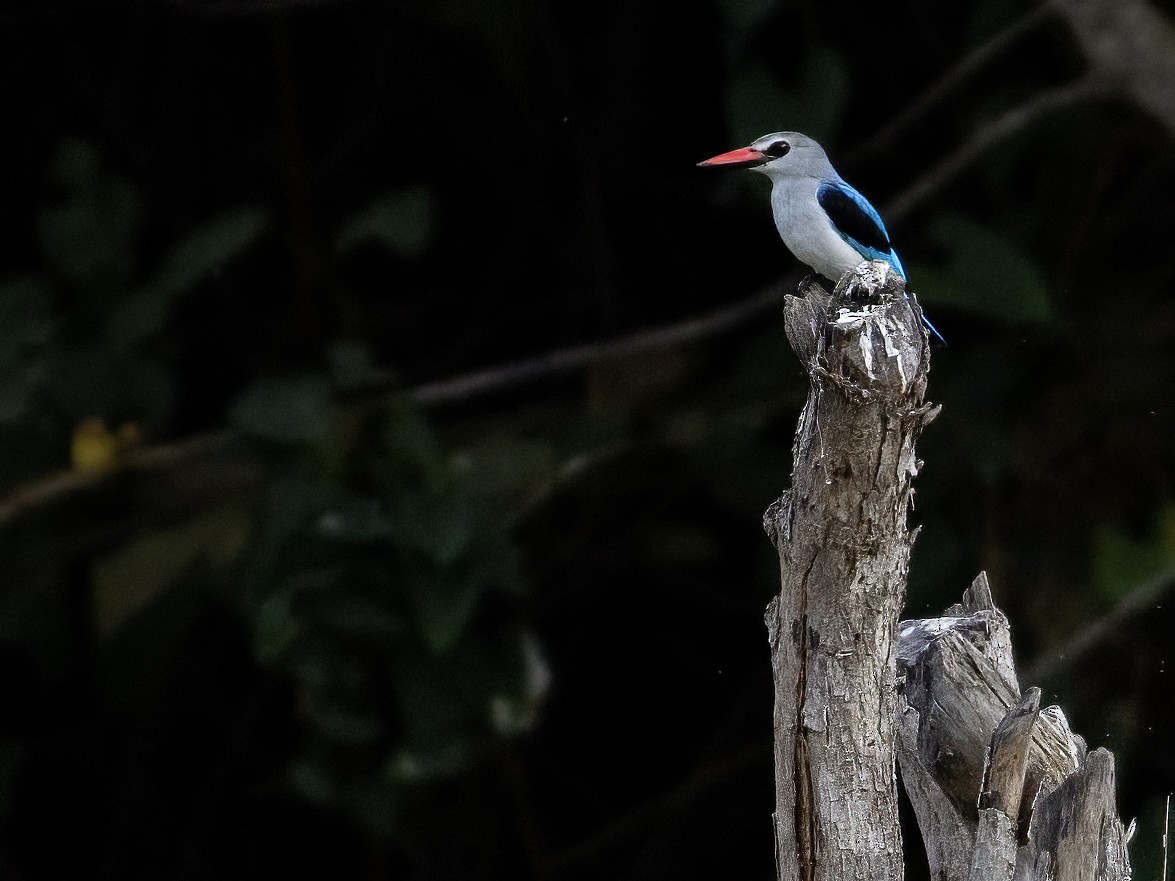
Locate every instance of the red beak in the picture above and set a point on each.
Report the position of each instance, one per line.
(744, 157)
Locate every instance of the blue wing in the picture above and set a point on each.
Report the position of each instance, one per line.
(857, 222)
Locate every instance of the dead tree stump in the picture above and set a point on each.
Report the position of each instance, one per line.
(844, 548)
(1001, 788)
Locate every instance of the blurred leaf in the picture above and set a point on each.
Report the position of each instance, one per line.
(275, 628)
(511, 714)
(132, 576)
(983, 273)
(140, 315)
(435, 708)
(357, 520)
(291, 507)
(313, 669)
(89, 238)
(352, 366)
(758, 104)
(27, 324)
(289, 410)
(401, 220)
(411, 452)
(208, 247)
(514, 709)
(428, 762)
(513, 470)
(1122, 562)
(444, 604)
(409, 436)
(371, 588)
(440, 526)
(144, 312)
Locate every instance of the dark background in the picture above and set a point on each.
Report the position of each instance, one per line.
(273, 605)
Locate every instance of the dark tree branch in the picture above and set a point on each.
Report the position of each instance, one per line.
(986, 139)
(559, 362)
(950, 83)
(1128, 44)
(229, 448)
(565, 361)
(1136, 600)
(207, 465)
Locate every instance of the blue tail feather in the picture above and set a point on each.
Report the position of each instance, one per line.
(934, 330)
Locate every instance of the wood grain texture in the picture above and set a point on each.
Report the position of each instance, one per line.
(844, 546)
(1001, 788)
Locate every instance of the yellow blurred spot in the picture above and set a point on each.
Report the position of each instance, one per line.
(97, 448)
(94, 447)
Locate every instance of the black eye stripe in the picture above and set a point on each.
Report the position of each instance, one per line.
(777, 149)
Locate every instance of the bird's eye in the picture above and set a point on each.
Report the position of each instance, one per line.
(777, 149)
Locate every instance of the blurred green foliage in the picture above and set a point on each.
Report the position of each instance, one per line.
(1123, 562)
(26, 327)
(81, 339)
(290, 409)
(401, 220)
(984, 273)
(368, 592)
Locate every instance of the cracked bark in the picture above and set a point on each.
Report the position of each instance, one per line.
(1001, 788)
(844, 547)
(1027, 803)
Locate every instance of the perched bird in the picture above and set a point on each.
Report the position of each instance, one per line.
(826, 223)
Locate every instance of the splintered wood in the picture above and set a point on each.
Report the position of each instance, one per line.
(1001, 788)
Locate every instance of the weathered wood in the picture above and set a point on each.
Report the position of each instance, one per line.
(946, 835)
(1076, 834)
(844, 546)
(1030, 798)
(958, 672)
(1007, 757)
(994, 855)
(1002, 789)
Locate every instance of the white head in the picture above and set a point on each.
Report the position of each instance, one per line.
(779, 155)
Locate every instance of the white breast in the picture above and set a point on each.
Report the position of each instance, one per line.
(806, 230)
